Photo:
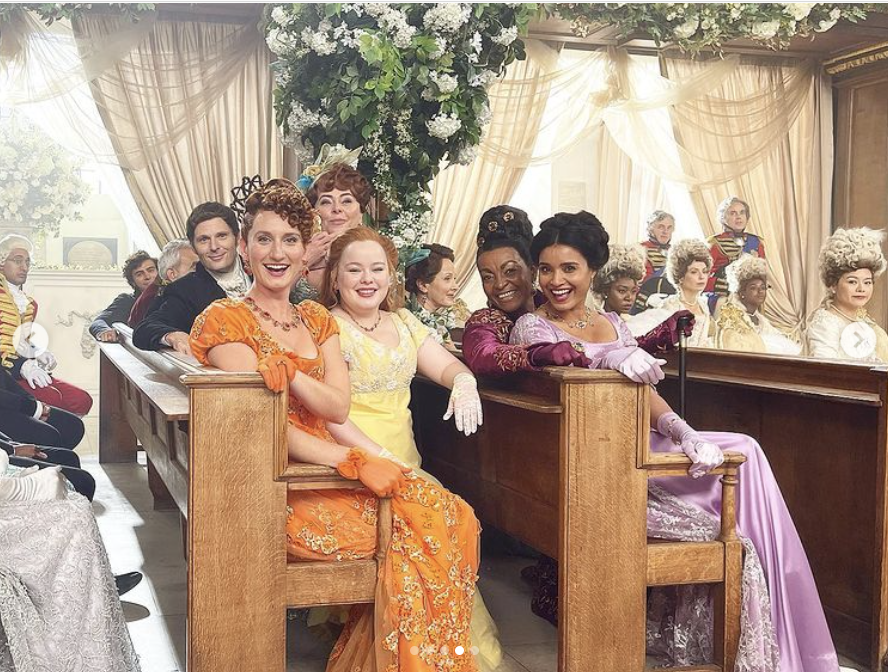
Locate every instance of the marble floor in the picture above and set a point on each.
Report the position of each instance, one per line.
(139, 538)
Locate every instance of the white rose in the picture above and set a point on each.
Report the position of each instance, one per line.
(823, 26)
(687, 29)
(765, 30)
(799, 10)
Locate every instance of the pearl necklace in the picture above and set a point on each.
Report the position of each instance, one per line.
(582, 323)
(265, 315)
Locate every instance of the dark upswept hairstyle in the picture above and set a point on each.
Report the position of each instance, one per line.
(581, 231)
(282, 198)
(206, 211)
(132, 262)
(427, 269)
(343, 177)
(505, 226)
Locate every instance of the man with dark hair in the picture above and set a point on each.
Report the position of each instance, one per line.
(212, 229)
(140, 271)
(177, 259)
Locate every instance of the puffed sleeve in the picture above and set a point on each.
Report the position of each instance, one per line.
(486, 346)
(220, 322)
(418, 331)
(531, 329)
(319, 320)
(823, 336)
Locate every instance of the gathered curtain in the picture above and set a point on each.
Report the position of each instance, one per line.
(461, 194)
(789, 189)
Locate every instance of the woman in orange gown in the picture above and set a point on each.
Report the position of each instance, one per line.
(420, 619)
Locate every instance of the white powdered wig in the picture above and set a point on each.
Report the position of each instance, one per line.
(747, 267)
(850, 250)
(684, 253)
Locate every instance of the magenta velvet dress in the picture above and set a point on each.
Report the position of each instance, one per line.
(796, 615)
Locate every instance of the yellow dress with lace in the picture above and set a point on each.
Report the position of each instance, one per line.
(426, 588)
(380, 382)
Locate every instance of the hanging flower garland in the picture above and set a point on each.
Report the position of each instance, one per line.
(408, 82)
(40, 186)
(697, 26)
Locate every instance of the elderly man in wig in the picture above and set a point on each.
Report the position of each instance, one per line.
(31, 368)
(726, 247)
(660, 227)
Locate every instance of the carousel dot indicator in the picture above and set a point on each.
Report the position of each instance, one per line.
(445, 650)
(459, 650)
(414, 650)
(475, 650)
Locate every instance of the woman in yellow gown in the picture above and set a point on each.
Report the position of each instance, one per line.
(419, 621)
(384, 347)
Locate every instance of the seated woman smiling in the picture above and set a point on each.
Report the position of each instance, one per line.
(426, 587)
(782, 626)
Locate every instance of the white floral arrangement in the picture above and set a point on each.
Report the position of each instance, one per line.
(40, 186)
(697, 26)
(408, 82)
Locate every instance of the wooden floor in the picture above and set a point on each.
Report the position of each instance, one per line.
(139, 538)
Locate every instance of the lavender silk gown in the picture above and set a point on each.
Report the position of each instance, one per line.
(796, 615)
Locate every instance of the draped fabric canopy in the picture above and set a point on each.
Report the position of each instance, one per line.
(183, 107)
(720, 127)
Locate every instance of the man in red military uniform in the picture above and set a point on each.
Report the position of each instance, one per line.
(32, 370)
(726, 247)
(660, 227)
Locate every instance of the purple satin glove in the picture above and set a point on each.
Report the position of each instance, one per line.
(705, 456)
(557, 354)
(635, 364)
(664, 337)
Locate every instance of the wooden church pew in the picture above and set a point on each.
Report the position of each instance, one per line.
(824, 428)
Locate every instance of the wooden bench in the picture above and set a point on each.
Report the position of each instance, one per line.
(824, 428)
(216, 444)
(562, 462)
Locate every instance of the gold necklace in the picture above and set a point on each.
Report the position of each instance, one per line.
(265, 315)
(582, 323)
(361, 326)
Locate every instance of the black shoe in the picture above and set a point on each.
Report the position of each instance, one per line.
(126, 582)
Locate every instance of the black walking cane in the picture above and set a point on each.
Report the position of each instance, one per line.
(682, 325)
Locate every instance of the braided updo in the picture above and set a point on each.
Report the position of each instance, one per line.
(284, 199)
(581, 231)
(505, 226)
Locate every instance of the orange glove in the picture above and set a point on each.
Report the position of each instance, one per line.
(277, 371)
(383, 477)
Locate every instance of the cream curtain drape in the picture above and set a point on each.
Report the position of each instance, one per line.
(461, 194)
(788, 188)
(189, 113)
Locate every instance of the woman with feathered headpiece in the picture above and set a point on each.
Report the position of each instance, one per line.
(841, 328)
(740, 324)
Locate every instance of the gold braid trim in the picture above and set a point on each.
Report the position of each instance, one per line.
(10, 319)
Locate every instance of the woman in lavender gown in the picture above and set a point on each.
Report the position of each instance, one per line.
(568, 251)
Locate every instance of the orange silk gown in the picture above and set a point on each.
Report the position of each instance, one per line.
(420, 620)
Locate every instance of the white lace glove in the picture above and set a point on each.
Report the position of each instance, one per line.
(465, 404)
(637, 365)
(705, 456)
(43, 486)
(47, 361)
(35, 375)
